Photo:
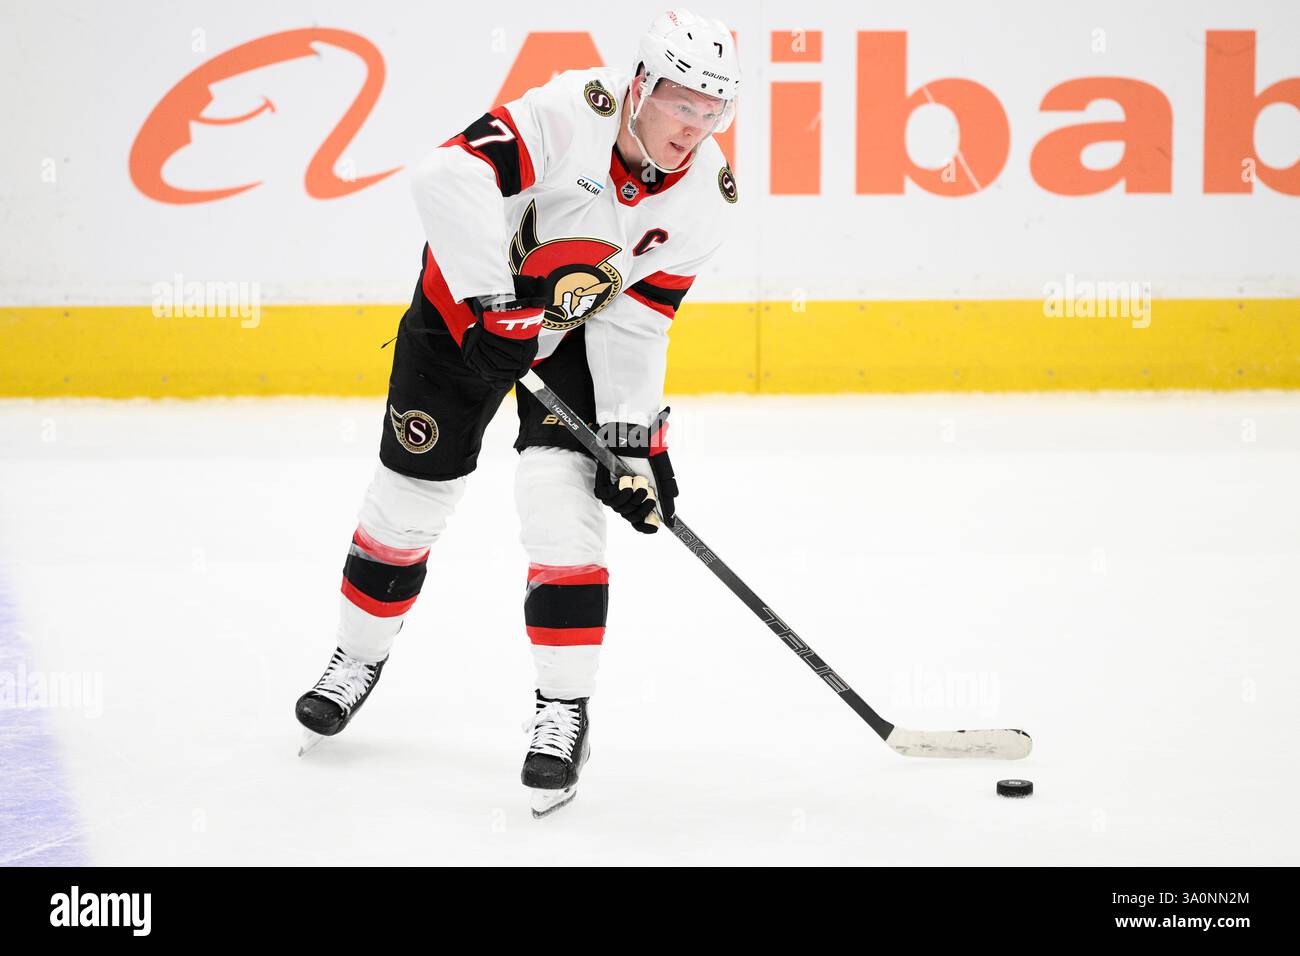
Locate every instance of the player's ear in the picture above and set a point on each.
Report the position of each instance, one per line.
(637, 80)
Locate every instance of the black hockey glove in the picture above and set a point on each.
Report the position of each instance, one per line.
(502, 344)
(646, 452)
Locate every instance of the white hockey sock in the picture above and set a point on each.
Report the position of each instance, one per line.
(566, 672)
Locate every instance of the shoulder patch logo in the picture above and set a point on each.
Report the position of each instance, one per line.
(727, 184)
(599, 99)
(416, 431)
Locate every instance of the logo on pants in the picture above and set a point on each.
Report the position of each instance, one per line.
(416, 431)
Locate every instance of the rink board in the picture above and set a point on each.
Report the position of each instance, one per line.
(771, 347)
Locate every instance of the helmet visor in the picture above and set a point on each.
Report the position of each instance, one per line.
(679, 104)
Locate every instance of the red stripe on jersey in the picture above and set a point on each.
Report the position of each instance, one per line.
(567, 574)
(457, 316)
(371, 606)
(659, 307)
(666, 280)
(566, 636)
(527, 174)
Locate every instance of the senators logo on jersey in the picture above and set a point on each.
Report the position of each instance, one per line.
(582, 277)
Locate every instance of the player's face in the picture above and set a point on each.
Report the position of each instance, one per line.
(674, 120)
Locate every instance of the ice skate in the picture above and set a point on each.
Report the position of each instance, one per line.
(328, 707)
(559, 750)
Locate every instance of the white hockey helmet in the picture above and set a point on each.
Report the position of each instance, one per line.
(693, 52)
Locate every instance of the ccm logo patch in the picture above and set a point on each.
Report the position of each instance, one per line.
(416, 431)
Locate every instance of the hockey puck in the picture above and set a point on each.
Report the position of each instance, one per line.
(1015, 788)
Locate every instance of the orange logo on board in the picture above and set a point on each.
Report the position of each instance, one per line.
(167, 129)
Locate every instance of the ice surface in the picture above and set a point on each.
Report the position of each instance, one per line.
(1116, 574)
(37, 822)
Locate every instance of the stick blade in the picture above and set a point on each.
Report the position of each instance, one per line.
(971, 744)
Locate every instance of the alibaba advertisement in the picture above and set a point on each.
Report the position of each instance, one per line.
(889, 161)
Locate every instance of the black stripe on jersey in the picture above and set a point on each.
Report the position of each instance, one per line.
(566, 605)
(384, 582)
(669, 297)
(504, 156)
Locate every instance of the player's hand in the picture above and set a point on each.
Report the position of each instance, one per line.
(502, 344)
(646, 452)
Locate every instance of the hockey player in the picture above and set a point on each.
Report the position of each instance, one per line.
(563, 230)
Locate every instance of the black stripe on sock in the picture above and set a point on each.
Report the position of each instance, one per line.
(384, 582)
(566, 605)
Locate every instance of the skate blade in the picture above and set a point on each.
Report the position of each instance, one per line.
(309, 741)
(546, 802)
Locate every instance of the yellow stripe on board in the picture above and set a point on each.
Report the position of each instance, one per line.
(127, 352)
(904, 346)
(1011, 346)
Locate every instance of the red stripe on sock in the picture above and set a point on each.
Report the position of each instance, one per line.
(567, 574)
(402, 557)
(566, 636)
(371, 606)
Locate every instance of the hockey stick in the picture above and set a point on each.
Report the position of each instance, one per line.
(997, 744)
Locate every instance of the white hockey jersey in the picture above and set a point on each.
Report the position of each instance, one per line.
(536, 188)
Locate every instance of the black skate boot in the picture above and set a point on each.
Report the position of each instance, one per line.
(557, 754)
(338, 695)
